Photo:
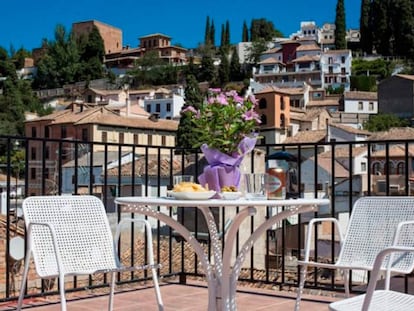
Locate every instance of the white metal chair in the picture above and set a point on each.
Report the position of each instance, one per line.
(372, 228)
(382, 300)
(71, 235)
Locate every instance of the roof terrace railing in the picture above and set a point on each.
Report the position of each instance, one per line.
(344, 171)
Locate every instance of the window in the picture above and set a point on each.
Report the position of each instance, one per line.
(282, 103)
(104, 137)
(63, 132)
(376, 168)
(135, 139)
(282, 120)
(360, 105)
(263, 118)
(343, 70)
(168, 107)
(158, 108)
(121, 138)
(33, 153)
(330, 69)
(401, 168)
(33, 173)
(47, 152)
(46, 173)
(330, 60)
(47, 131)
(343, 59)
(163, 140)
(262, 103)
(363, 167)
(85, 134)
(149, 137)
(149, 108)
(371, 106)
(34, 132)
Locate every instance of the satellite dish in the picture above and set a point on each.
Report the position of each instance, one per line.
(17, 248)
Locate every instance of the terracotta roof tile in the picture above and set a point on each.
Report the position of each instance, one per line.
(350, 129)
(308, 47)
(343, 152)
(307, 58)
(394, 133)
(395, 151)
(306, 137)
(361, 95)
(270, 60)
(326, 164)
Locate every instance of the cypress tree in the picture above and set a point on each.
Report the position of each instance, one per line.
(365, 27)
(193, 97)
(223, 34)
(212, 34)
(235, 67)
(402, 26)
(207, 35)
(381, 27)
(340, 27)
(245, 33)
(227, 33)
(224, 68)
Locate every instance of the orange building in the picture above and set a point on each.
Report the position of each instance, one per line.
(274, 109)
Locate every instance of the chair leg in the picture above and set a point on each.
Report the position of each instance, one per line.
(62, 292)
(302, 278)
(111, 292)
(157, 289)
(346, 283)
(24, 280)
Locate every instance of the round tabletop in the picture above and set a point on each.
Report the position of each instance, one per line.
(169, 201)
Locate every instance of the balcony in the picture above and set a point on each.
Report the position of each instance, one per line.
(269, 279)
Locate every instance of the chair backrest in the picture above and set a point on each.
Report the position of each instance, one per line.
(372, 227)
(84, 237)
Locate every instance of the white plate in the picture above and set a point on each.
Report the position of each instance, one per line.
(202, 195)
(228, 195)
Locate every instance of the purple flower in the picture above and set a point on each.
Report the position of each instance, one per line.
(190, 109)
(251, 115)
(215, 90)
(222, 99)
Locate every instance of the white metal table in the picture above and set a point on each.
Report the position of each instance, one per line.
(222, 275)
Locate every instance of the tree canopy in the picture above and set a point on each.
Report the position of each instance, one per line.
(383, 122)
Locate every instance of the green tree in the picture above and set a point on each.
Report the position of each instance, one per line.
(245, 33)
(207, 36)
(146, 69)
(91, 52)
(224, 68)
(193, 97)
(61, 64)
(381, 27)
(255, 50)
(207, 70)
(401, 12)
(235, 67)
(212, 34)
(19, 57)
(383, 122)
(263, 29)
(227, 34)
(340, 26)
(365, 27)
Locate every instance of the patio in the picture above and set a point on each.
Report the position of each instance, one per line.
(177, 297)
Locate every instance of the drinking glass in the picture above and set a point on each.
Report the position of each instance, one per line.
(255, 186)
(182, 178)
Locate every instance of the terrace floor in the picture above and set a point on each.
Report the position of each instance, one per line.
(177, 297)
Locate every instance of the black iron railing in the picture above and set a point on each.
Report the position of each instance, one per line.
(40, 166)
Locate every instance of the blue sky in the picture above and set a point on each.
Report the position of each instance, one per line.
(25, 23)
